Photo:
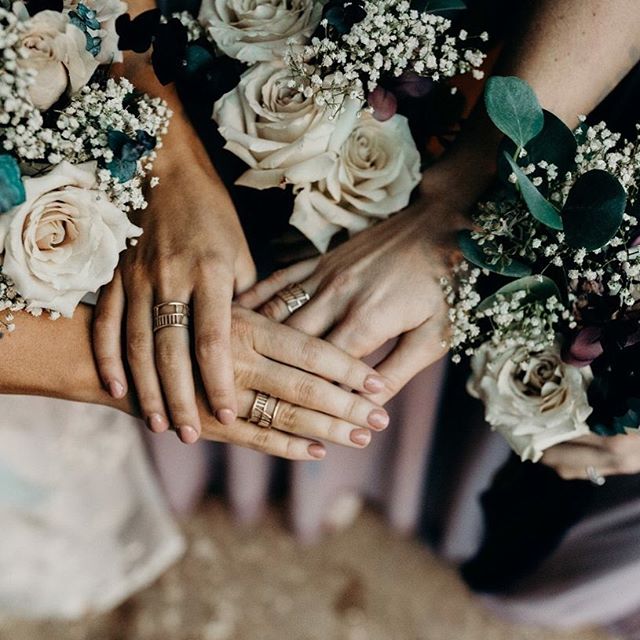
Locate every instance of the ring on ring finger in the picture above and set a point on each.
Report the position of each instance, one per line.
(294, 296)
(264, 411)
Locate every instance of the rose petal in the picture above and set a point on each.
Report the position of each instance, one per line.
(383, 103)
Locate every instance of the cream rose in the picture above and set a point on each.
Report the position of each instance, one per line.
(274, 129)
(259, 30)
(107, 11)
(64, 240)
(57, 51)
(373, 176)
(535, 402)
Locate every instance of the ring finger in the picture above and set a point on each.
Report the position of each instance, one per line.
(310, 424)
(173, 361)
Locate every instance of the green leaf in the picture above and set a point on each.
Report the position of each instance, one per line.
(435, 6)
(514, 109)
(541, 209)
(593, 211)
(537, 287)
(197, 59)
(555, 144)
(11, 187)
(473, 253)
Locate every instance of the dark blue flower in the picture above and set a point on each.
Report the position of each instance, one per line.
(127, 151)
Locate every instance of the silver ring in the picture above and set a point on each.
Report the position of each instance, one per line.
(595, 477)
(294, 296)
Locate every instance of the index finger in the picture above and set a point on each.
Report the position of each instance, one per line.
(291, 347)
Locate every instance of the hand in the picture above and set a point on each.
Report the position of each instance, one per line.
(383, 283)
(294, 367)
(192, 250)
(609, 456)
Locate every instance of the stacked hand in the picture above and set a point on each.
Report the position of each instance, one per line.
(382, 284)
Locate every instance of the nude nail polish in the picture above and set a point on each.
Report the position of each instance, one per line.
(317, 451)
(226, 416)
(116, 389)
(374, 384)
(157, 423)
(187, 434)
(361, 437)
(378, 419)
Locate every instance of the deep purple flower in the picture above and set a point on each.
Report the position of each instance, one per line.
(384, 103)
(585, 348)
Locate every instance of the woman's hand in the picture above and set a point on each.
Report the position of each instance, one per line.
(295, 368)
(382, 284)
(193, 250)
(607, 456)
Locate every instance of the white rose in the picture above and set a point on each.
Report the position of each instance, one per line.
(259, 30)
(534, 403)
(64, 240)
(57, 51)
(107, 11)
(373, 176)
(274, 129)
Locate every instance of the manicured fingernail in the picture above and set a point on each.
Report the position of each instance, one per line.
(187, 434)
(317, 451)
(375, 384)
(361, 437)
(226, 416)
(157, 423)
(116, 389)
(378, 419)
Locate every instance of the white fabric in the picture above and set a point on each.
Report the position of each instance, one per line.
(83, 523)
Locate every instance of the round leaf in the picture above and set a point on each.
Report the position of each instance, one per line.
(514, 109)
(555, 144)
(593, 211)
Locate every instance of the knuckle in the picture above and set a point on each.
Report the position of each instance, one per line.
(340, 283)
(241, 328)
(305, 392)
(311, 353)
(354, 405)
(287, 415)
(272, 309)
(259, 440)
(138, 346)
(209, 344)
(279, 278)
(167, 357)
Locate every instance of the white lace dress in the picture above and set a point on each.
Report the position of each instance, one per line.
(83, 523)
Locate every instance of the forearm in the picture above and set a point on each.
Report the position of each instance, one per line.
(181, 146)
(573, 53)
(54, 358)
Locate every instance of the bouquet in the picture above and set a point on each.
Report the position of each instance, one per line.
(307, 91)
(75, 147)
(547, 302)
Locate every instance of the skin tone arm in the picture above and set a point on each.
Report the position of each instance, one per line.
(54, 359)
(193, 250)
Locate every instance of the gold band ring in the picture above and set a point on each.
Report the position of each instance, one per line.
(264, 410)
(170, 314)
(294, 296)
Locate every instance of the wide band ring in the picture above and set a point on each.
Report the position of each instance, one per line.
(595, 477)
(170, 314)
(264, 410)
(294, 296)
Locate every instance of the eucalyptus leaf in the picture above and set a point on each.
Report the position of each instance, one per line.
(593, 211)
(473, 253)
(537, 288)
(11, 187)
(541, 209)
(555, 144)
(514, 109)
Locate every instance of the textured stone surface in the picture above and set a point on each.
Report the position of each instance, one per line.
(362, 584)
